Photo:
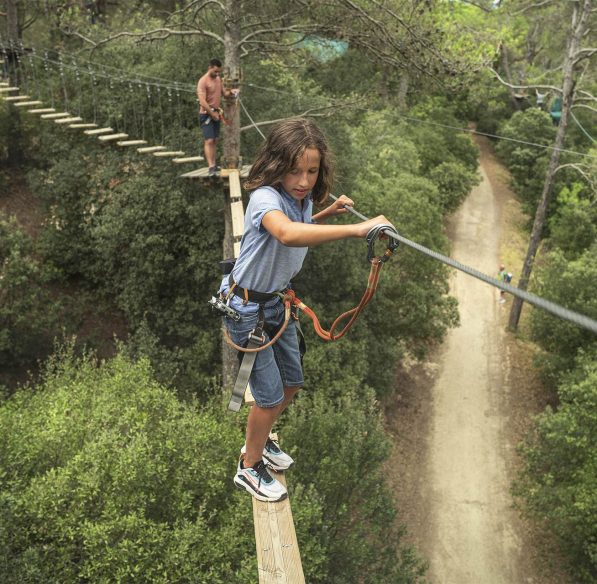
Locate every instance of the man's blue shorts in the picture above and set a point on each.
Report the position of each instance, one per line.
(276, 367)
(209, 126)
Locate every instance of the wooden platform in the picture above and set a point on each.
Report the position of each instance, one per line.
(43, 110)
(202, 173)
(188, 159)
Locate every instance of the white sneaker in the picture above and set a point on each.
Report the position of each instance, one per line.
(274, 456)
(257, 481)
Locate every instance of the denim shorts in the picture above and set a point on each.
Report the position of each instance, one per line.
(209, 126)
(276, 367)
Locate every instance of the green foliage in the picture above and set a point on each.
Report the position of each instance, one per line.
(354, 522)
(454, 182)
(571, 284)
(28, 317)
(573, 226)
(527, 163)
(106, 477)
(558, 480)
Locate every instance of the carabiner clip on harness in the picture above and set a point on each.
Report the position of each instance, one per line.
(256, 340)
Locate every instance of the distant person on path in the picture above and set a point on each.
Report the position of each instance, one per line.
(506, 277)
(209, 94)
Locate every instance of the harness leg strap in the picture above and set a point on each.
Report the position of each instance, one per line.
(256, 339)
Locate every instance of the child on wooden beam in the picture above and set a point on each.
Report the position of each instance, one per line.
(293, 170)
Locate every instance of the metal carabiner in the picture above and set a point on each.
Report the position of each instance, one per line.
(373, 235)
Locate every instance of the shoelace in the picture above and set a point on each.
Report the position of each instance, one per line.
(273, 446)
(262, 473)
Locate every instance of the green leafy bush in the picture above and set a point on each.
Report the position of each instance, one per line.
(558, 480)
(571, 284)
(526, 162)
(28, 316)
(573, 226)
(105, 476)
(356, 538)
(454, 182)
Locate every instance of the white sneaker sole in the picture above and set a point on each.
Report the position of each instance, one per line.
(275, 467)
(241, 484)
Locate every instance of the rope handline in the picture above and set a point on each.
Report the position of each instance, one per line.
(556, 309)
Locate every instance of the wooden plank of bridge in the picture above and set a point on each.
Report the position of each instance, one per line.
(68, 120)
(110, 137)
(98, 131)
(278, 555)
(56, 116)
(16, 98)
(43, 110)
(131, 142)
(168, 153)
(150, 149)
(28, 103)
(77, 126)
(6, 89)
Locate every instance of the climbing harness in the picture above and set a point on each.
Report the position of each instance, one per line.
(256, 341)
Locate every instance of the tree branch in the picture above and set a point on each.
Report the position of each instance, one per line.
(156, 34)
(531, 7)
(585, 107)
(503, 82)
(578, 169)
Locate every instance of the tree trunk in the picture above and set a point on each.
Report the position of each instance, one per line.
(403, 90)
(12, 22)
(231, 156)
(577, 30)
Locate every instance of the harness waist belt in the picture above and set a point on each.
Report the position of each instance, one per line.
(250, 295)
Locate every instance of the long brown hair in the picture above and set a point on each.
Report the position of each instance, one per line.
(280, 152)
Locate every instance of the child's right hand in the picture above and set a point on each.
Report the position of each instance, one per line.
(364, 227)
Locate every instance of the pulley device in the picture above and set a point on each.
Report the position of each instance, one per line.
(292, 306)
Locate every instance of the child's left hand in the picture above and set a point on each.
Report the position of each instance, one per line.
(339, 205)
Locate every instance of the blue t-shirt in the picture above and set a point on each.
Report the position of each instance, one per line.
(264, 264)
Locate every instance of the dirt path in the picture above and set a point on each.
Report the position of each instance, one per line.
(457, 422)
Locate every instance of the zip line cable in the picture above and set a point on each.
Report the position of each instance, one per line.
(556, 309)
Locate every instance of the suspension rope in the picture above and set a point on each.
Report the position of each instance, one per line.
(63, 81)
(556, 309)
(49, 86)
(188, 88)
(93, 93)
